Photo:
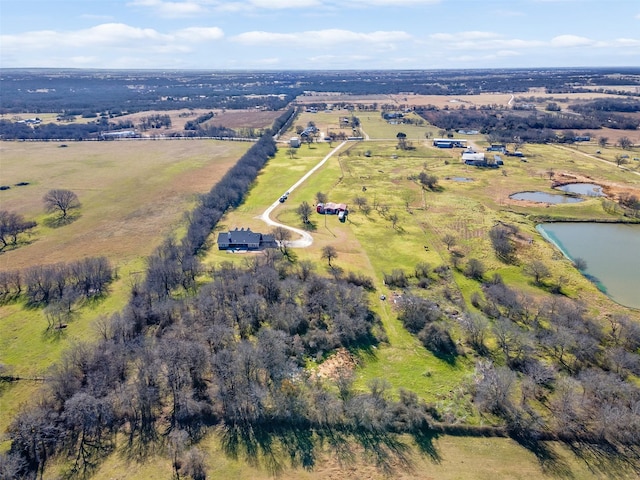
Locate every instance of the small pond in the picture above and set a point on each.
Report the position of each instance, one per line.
(610, 250)
(543, 197)
(460, 179)
(588, 189)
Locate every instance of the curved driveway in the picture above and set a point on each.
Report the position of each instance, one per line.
(306, 239)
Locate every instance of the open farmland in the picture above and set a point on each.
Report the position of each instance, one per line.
(368, 243)
(293, 363)
(133, 195)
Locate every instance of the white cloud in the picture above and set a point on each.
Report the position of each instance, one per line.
(283, 4)
(396, 3)
(171, 9)
(564, 41)
(464, 36)
(111, 35)
(321, 38)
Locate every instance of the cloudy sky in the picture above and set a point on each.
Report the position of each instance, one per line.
(319, 34)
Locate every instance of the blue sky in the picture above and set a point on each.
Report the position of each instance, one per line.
(319, 34)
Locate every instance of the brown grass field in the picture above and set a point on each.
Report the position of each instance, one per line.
(132, 193)
(233, 119)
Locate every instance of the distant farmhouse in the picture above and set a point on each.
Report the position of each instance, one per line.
(330, 208)
(120, 134)
(476, 159)
(245, 240)
(449, 142)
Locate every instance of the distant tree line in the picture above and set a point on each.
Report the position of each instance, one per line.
(606, 105)
(194, 124)
(157, 120)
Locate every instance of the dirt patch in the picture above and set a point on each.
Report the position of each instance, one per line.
(337, 364)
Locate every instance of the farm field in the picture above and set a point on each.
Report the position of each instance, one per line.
(234, 119)
(133, 195)
(405, 226)
(368, 243)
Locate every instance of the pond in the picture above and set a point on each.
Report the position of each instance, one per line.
(611, 251)
(543, 197)
(588, 189)
(460, 179)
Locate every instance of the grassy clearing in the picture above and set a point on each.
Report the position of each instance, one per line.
(457, 458)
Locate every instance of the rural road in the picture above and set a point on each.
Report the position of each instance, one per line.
(306, 239)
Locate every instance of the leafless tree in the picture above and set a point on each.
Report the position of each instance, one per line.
(304, 211)
(12, 225)
(329, 253)
(449, 240)
(282, 236)
(625, 143)
(321, 197)
(538, 270)
(61, 200)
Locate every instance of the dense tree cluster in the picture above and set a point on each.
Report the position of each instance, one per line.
(233, 355)
(535, 128)
(43, 285)
(194, 124)
(157, 120)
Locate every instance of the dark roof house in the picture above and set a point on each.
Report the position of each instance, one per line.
(245, 240)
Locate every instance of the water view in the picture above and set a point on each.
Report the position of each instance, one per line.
(612, 253)
(588, 189)
(543, 197)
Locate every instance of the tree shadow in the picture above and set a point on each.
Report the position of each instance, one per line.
(550, 462)
(310, 226)
(424, 438)
(277, 446)
(612, 461)
(57, 222)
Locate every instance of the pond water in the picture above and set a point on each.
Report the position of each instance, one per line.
(589, 189)
(543, 197)
(612, 253)
(460, 179)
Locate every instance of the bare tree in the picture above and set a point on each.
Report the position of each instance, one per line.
(475, 269)
(393, 218)
(61, 200)
(329, 253)
(360, 202)
(602, 141)
(321, 197)
(408, 197)
(282, 236)
(449, 240)
(304, 211)
(12, 225)
(538, 270)
(625, 143)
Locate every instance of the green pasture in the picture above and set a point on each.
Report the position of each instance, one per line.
(451, 458)
(369, 243)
